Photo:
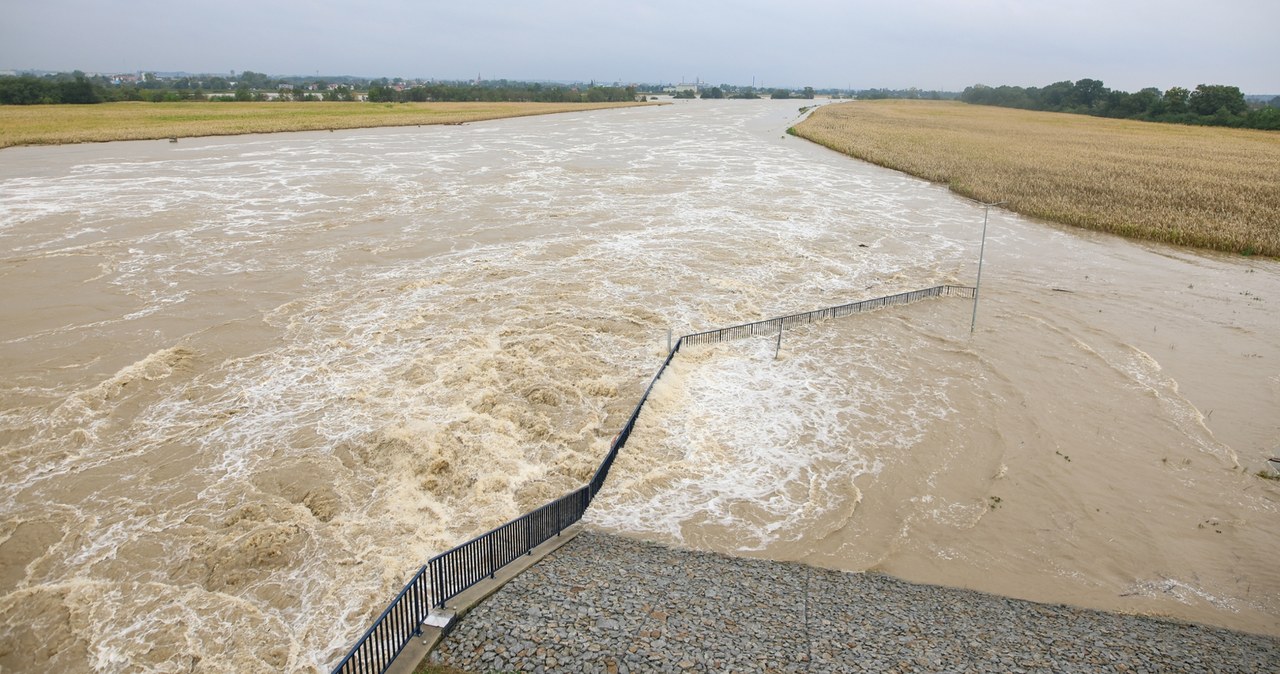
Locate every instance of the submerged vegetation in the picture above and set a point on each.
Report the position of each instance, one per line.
(1205, 187)
(59, 124)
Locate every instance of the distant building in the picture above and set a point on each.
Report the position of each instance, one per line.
(685, 86)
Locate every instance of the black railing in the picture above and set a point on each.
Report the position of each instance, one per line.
(454, 571)
(597, 480)
(772, 325)
(450, 573)
(402, 619)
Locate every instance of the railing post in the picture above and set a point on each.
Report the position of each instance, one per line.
(417, 602)
(493, 556)
(986, 210)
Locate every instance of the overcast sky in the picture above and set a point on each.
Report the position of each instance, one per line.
(930, 44)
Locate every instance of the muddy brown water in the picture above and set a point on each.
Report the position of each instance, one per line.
(250, 384)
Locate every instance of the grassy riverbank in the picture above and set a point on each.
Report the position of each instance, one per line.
(1196, 186)
(61, 124)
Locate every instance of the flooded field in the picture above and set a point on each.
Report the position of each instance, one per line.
(250, 384)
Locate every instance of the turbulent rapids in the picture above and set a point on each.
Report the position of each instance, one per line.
(250, 384)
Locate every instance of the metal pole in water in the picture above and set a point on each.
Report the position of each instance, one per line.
(986, 209)
(778, 348)
(668, 340)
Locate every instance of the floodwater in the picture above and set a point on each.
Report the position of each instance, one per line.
(250, 384)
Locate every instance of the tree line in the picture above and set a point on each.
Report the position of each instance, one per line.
(28, 90)
(731, 91)
(383, 92)
(910, 94)
(1207, 104)
(78, 88)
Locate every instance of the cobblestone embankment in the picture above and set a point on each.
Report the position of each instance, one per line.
(608, 604)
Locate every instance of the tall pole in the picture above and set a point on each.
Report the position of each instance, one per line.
(986, 210)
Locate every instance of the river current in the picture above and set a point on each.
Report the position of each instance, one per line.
(250, 384)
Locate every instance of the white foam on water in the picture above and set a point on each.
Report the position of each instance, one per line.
(1182, 592)
(766, 451)
(1148, 376)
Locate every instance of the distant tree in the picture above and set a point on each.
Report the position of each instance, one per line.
(687, 93)
(808, 93)
(1275, 102)
(25, 90)
(382, 94)
(1267, 117)
(1117, 104)
(978, 94)
(79, 90)
(779, 93)
(1057, 96)
(1016, 97)
(1175, 100)
(254, 80)
(339, 93)
(1086, 94)
(713, 92)
(1149, 102)
(1210, 99)
(1004, 96)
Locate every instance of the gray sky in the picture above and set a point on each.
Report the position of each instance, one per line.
(931, 44)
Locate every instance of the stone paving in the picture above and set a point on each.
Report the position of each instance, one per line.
(613, 605)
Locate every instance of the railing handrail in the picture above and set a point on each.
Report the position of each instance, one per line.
(602, 472)
(752, 328)
(380, 659)
(407, 621)
(563, 512)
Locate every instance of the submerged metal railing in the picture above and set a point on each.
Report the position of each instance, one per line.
(597, 480)
(773, 325)
(451, 572)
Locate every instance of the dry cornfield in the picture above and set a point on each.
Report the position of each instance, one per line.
(59, 124)
(1206, 187)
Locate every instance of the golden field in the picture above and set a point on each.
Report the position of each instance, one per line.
(1206, 187)
(59, 124)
